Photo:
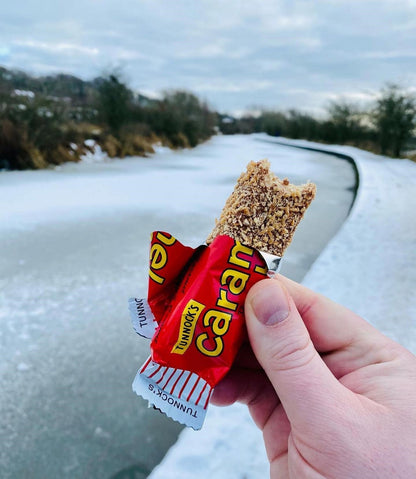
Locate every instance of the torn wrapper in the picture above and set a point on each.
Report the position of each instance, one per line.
(194, 316)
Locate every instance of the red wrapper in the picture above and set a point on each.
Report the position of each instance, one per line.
(196, 319)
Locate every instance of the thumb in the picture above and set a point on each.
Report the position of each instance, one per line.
(306, 388)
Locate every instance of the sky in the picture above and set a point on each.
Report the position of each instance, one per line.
(236, 55)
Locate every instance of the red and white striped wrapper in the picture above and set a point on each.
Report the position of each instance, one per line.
(181, 395)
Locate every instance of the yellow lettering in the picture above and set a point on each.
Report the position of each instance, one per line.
(223, 301)
(158, 256)
(236, 280)
(215, 315)
(219, 323)
(239, 248)
(158, 259)
(167, 240)
(156, 277)
(261, 269)
(189, 318)
(219, 345)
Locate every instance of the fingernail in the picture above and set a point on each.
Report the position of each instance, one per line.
(270, 305)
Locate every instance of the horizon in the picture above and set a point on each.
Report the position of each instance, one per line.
(254, 112)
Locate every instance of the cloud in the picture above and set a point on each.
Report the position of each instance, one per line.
(66, 48)
(221, 85)
(4, 52)
(236, 54)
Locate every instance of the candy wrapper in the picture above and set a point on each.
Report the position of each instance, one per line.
(194, 315)
(194, 312)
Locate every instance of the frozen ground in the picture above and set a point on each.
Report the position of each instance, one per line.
(369, 266)
(74, 244)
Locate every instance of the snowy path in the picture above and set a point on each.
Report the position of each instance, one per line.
(369, 266)
(76, 245)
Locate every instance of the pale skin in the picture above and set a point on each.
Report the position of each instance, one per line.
(333, 396)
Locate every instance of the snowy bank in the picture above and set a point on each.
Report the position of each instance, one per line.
(369, 266)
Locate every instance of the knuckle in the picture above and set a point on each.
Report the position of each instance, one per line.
(293, 353)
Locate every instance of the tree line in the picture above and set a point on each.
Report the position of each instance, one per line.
(386, 126)
(47, 120)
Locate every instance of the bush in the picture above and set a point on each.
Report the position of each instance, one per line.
(181, 114)
(111, 146)
(135, 145)
(16, 153)
(60, 155)
(57, 111)
(180, 140)
(34, 160)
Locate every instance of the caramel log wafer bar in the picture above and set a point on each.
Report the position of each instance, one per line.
(263, 211)
(194, 311)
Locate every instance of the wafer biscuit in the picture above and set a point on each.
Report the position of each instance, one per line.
(263, 211)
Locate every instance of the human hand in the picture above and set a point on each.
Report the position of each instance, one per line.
(333, 396)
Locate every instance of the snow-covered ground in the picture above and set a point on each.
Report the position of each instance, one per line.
(195, 181)
(74, 243)
(369, 266)
(76, 238)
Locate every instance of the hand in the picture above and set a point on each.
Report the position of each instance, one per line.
(333, 396)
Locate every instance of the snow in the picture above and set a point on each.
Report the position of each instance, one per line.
(76, 239)
(95, 154)
(90, 143)
(185, 182)
(26, 93)
(368, 266)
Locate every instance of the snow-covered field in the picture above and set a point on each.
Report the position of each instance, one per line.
(369, 266)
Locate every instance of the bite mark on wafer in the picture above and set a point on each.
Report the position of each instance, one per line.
(263, 211)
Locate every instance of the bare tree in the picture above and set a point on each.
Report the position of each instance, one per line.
(346, 120)
(394, 118)
(113, 101)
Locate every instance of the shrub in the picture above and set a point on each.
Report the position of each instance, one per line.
(59, 155)
(135, 145)
(16, 153)
(111, 146)
(179, 114)
(179, 140)
(34, 159)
